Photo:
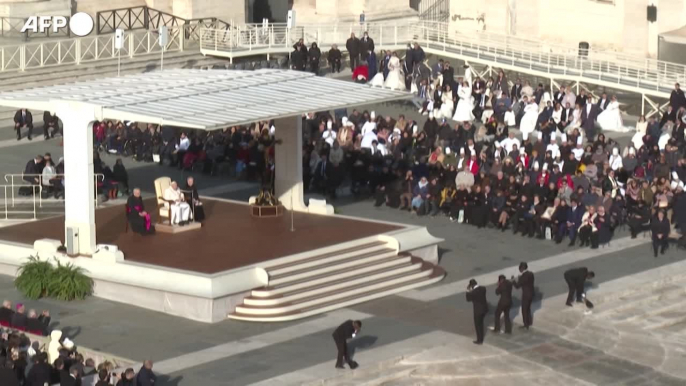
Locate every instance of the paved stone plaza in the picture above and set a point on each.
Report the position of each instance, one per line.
(421, 337)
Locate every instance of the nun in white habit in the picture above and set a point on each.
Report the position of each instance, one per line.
(615, 159)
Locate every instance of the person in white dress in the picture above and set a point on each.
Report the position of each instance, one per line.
(465, 105)
(395, 79)
(447, 103)
(611, 118)
(528, 123)
(180, 210)
(641, 128)
(576, 118)
(377, 80)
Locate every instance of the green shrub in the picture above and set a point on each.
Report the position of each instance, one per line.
(66, 282)
(33, 277)
(69, 282)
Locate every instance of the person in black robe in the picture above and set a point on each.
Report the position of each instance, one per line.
(660, 230)
(137, 216)
(314, 56)
(193, 199)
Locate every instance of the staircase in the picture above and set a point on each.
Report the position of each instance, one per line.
(323, 282)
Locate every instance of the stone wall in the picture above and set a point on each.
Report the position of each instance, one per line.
(618, 26)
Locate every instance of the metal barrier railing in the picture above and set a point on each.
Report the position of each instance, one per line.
(646, 75)
(6, 209)
(143, 17)
(87, 49)
(37, 187)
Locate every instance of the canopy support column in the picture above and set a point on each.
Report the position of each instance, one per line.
(79, 184)
(288, 180)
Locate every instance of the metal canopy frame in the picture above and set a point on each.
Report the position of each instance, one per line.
(205, 99)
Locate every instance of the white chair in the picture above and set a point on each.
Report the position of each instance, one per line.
(163, 211)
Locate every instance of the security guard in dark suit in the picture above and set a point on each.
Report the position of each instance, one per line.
(504, 289)
(526, 283)
(477, 296)
(348, 330)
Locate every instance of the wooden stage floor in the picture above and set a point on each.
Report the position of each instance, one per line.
(230, 236)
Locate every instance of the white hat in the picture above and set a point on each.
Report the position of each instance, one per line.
(615, 151)
(372, 115)
(632, 150)
(580, 140)
(675, 176)
(536, 165)
(563, 137)
(344, 121)
(674, 185)
(447, 150)
(540, 135)
(415, 128)
(525, 136)
(462, 150)
(497, 144)
(329, 125)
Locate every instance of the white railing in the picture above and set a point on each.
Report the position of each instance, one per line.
(625, 71)
(17, 181)
(10, 211)
(87, 49)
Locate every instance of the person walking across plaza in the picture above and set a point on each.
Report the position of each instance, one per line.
(348, 330)
(476, 294)
(576, 279)
(525, 281)
(504, 289)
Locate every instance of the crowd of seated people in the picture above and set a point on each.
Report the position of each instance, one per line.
(558, 179)
(27, 362)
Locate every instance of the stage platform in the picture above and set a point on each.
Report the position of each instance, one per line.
(230, 237)
(238, 265)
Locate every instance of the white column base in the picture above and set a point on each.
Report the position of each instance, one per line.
(86, 233)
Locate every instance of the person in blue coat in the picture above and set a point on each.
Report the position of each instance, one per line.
(372, 64)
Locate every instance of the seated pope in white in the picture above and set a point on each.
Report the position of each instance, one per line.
(180, 210)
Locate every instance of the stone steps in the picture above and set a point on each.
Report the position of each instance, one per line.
(339, 278)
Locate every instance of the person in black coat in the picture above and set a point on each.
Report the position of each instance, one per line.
(366, 43)
(40, 371)
(660, 229)
(677, 98)
(7, 375)
(23, 118)
(335, 58)
(576, 279)
(145, 375)
(314, 55)
(19, 319)
(347, 330)
(477, 296)
(353, 47)
(504, 289)
(299, 58)
(525, 281)
(50, 125)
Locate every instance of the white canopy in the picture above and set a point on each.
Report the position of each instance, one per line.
(205, 99)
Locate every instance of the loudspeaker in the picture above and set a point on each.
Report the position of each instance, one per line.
(652, 13)
(119, 39)
(290, 21)
(583, 48)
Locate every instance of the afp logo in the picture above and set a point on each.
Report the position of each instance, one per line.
(80, 24)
